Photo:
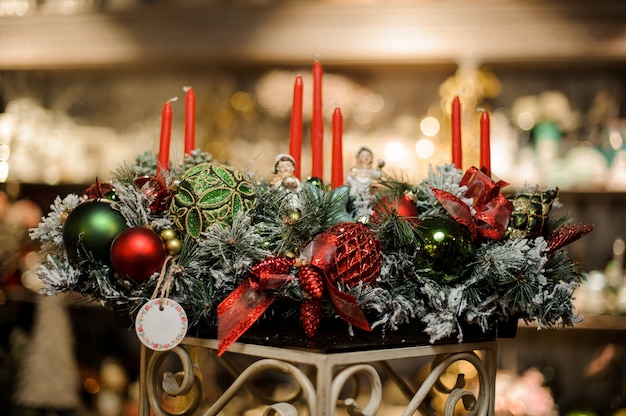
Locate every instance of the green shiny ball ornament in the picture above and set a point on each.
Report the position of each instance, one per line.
(210, 193)
(445, 247)
(111, 195)
(90, 229)
(315, 181)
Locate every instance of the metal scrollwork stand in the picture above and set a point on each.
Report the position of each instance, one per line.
(320, 378)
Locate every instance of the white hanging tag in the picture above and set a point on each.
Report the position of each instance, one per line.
(161, 324)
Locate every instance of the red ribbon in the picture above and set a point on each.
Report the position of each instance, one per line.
(493, 209)
(347, 307)
(320, 253)
(245, 305)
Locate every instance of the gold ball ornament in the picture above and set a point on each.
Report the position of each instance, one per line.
(168, 234)
(293, 217)
(173, 246)
(210, 193)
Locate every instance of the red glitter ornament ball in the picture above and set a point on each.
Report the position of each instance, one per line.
(349, 253)
(137, 253)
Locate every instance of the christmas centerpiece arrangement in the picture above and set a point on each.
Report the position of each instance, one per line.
(201, 244)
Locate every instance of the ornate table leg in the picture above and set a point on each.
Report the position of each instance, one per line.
(144, 406)
(376, 393)
(163, 391)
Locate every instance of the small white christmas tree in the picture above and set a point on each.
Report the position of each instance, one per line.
(48, 376)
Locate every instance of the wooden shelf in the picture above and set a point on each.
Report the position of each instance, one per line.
(595, 322)
(341, 33)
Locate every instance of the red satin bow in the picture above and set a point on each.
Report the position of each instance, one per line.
(246, 304)
(321, 253)
(347, 307)
(493, 209)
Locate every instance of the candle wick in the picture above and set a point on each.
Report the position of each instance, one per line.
(481, 109)
(186, 88)
(317, 57)
(461, 92)
(171, 100)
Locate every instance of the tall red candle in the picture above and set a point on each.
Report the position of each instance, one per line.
(336, 178)
(317, 124)
(295, 131)
(166, 133)
(485, 143)
(457, 153)
(190, 120)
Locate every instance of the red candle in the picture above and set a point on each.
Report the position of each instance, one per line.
(166, 132)
(190, 120)
(485, 143)
(295, 131)
(457, 153)
(317, 123)
(336, 178)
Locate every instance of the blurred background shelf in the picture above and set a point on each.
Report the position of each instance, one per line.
(590, 321)
(185, 34)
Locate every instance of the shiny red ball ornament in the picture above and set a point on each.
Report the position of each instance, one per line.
(407, 208)
(137, 253)
(402, 206)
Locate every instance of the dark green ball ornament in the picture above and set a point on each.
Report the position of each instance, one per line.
(315, 181)
(90, 229)
(445, 247)
(210, 193)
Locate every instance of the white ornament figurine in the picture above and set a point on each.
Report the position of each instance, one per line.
(363, 175)
(284, 178)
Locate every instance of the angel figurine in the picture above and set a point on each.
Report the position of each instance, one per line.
(363, 175)
(284, 178)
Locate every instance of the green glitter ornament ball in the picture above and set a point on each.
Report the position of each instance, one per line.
(210, 193)
(445, 247)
